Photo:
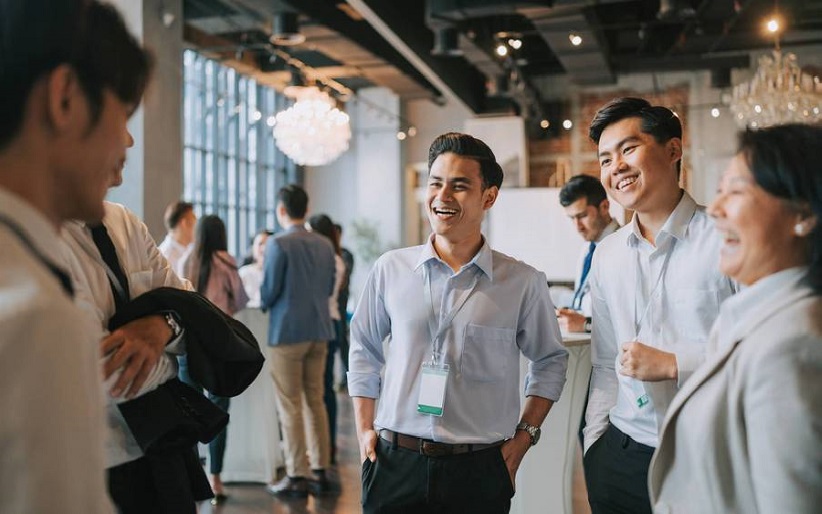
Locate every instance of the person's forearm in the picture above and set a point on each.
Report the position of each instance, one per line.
(363, 414)
(536, 409)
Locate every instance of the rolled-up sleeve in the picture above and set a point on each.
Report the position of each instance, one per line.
(540, 340)
(369, 327)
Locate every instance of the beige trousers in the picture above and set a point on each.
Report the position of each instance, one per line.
(297, 370)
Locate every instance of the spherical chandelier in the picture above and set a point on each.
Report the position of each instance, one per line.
(312, 132)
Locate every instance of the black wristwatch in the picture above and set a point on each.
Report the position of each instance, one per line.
(587, 326)
(533, 431)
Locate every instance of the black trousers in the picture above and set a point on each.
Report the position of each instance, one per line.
(159, 484)
(616, 473)
(403, 481)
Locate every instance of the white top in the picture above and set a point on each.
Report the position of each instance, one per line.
(252, 277)
(146, 269)
(508, 314)
(52, 457)
(609, 229)
(173, 252)
(624, 272)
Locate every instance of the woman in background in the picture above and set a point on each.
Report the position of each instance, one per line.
(744, 434)
(213, 272)
(323, 225)
(252, 274)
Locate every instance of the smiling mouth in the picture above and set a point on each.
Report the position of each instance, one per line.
(626, 182)
(443, 212)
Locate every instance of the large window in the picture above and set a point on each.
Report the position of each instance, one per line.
(231, 166)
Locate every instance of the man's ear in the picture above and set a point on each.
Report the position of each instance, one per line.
(490, 195)
(604, 207)
(65, 97)
(675, 149)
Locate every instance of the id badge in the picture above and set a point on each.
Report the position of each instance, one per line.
(432, 389)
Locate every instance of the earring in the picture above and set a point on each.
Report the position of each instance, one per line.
(799, 229)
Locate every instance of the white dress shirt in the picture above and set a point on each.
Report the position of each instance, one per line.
(52, 425)
(609, 229)
(252, 277)
(675, 314)
(508, 313)
(146, 269)
(173, 252)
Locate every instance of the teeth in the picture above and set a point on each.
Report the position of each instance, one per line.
(622, 184)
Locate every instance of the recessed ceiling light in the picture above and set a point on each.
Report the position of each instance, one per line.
(516, 44)
(715, 112)
(502, 50)
(567, 124)
(545, 124)
(575, 39)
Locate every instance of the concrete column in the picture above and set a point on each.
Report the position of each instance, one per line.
(154, 170)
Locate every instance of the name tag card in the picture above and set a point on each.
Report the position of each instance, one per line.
(432, 389)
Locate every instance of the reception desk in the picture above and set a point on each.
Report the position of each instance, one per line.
(545, 477)
(253, 449)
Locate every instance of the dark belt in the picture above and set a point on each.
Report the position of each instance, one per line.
(432, 448)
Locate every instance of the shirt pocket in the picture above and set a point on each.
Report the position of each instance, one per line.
(485, 352)
(695, 311)
(140, 282)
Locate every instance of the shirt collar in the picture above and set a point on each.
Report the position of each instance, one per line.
(609, 229)
(297, 227)
(33, 223)
(675, 226)
(484, 258)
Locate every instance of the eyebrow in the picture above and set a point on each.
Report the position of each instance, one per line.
(629, 139)
(455, 180)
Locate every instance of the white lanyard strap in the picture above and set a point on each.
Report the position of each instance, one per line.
(663, 269)
(437, 331)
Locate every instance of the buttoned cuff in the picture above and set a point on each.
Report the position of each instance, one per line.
(366, 385)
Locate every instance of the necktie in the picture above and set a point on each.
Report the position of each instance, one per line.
(103, 242)
(586, 267)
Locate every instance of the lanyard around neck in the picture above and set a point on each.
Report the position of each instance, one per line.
(438, 330)
(662, 270)
(59, 274)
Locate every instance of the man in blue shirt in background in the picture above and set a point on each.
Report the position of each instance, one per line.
(297, 282)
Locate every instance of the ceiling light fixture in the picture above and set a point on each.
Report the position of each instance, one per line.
(446, 42)
(312, 132)
(502, 50)
(575, 39)
(545, 124)
(772, 25)
(515, 43)
(715, 112)
(285, 30)
(567, 124)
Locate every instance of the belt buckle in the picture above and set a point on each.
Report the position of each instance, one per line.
(432, 449)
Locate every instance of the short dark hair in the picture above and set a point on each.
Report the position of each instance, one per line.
(175, 213)
(295, 201)
(582, 186)
(36, 36)
(784, 161)
(472, 148)
(660, 122)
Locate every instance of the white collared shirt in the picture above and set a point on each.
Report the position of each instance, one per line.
(146, 269)
(508, 313)
(52, 426)
(609, 229)
(174, 253)
(682, 310)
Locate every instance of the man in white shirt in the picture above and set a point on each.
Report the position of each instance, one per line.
(71, 76)
(586, 204)
(180, 221)
(655, 291)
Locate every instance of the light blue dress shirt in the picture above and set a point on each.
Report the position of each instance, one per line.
(508, 313)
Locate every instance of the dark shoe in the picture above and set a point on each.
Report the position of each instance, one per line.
(319, 485)
(219, 499)
(294, 487)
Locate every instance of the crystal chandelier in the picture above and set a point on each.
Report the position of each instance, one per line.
(312, 132)
(780, 92)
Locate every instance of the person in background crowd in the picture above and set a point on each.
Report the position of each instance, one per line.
(71, 76)
(322, 224)
(180, 221)
(743, 435)
(214, 274)
(252, 273)
(586, 204)
(345, 292)
(298, 280)
(655, 293)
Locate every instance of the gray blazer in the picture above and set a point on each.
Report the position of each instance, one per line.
(744, 434)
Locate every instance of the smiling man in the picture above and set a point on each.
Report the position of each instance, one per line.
(448, 435)
(655, 291)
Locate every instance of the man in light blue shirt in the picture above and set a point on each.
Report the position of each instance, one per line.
(298, 279)
(445, 435)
